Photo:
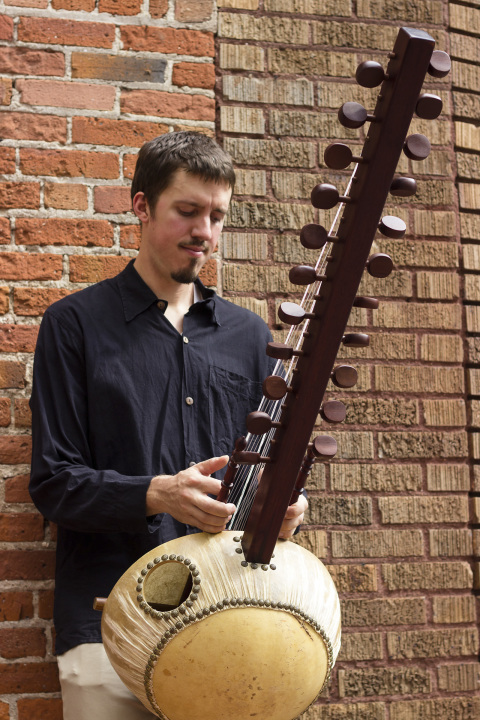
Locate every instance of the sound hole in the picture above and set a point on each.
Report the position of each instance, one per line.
(167, 586)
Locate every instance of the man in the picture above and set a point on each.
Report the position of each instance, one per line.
(141, 387)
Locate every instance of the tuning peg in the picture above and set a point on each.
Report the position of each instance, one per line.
(353, 115)
(367, 303)
(379, 265)
(392, 227)
(403, 187)
(428, 106)
(279, 351)
(259, 423)
(293, 314)
(314, 237)
(370, 74)
(333, 411)
(323, 447)
(274, 387)
(304, 275)
(417, 147)
(325, 196)
(344, 376)
(356, 340)
(246, 457)
(338, 156)
(440, 64)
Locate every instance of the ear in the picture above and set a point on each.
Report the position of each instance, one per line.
(140, 207)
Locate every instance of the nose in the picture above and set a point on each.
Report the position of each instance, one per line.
(202, 228)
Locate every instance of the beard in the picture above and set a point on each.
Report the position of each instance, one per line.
(187, 275)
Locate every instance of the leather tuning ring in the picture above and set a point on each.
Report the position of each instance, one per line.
(344, 376)
(292, 314)
(353, 115)
(428, 106)
(368, 303)
(333, 411)
(259, 423)
(380, 265)
(304, 275)
(274, 387)
(403, 187)
(417, 147)
(338, 156)
(313, 237)
(440, 64)
(356, 340)
(324, 447)
(370, 74)
(245, 457)
(392, 227)
(325, 196)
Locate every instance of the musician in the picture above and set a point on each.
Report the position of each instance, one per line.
(141, 386)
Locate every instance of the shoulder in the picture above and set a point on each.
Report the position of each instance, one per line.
(235, 315)
(85, 303)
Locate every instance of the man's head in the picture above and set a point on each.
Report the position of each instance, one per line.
(195, 153)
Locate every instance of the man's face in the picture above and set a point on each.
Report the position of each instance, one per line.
(183, 230)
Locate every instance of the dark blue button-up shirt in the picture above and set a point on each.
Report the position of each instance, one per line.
(119, 395)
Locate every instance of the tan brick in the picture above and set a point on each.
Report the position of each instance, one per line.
(464, 18)
(251, 182)
(239, 4)
(377, 543)
(298, 186)
(475, 503)
(310, 7)
(395, 378)
(428, 576)
(276, 216)
(375, 478)
(383, 611)
(461, 708)
(468, 165)
(257, 278)
(475, 408)
(429, 11)
(339, 511)
(466, 105)
(259, 90)
(353, 35)
(242, 57)
(244, 246)
(363, 383)
(389, 346)
(470, 230)
(420, 253)
(383, 681)
(455, 609)
(270, 152)
(423, 444)
(354, 578)
(376, 411)
(242, 120)
(475, 445)
(476, 543)
(448, 478)
(432, 643)
(469, 196)
(308, 124)
(441, 348)
(445, 412)
(349, 711)
(472, 288)
(437, 163)
(473, 377)
(423, 509)
(361, 646)
(267, 29)
(472, 316)
(467, 136)
(438, 133)
(259, 307)
(438, 286)
(354, 445)
(315, 541)
(397, 284)
(311, 62)
(458, 677)
(425, 315)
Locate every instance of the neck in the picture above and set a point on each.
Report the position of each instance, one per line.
(178, 295)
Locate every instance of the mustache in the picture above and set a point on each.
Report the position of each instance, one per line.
(195, 243)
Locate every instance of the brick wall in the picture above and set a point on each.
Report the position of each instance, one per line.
(83, 83)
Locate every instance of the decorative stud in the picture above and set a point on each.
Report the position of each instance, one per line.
(313, 237)
(344, 376)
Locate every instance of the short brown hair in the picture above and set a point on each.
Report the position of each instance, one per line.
(193, 152)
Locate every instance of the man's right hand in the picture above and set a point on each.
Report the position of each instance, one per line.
(185, 496)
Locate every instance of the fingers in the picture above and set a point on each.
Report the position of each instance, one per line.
(207, 467)
(293, 517)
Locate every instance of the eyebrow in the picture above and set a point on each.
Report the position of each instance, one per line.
(199, 205)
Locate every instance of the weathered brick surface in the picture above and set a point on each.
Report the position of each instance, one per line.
(383, 681)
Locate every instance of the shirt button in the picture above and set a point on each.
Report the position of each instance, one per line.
(189, 401)
(191, 464)
(185, 339)
(161, 304)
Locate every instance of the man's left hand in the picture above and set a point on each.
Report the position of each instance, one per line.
(293, 517)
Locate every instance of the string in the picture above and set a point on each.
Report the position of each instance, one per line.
(246, 478)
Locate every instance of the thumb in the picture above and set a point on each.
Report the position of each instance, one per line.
(207, 467)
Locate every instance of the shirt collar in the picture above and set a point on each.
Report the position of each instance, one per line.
(137, 297)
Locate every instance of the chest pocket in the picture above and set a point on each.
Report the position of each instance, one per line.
(231, 398)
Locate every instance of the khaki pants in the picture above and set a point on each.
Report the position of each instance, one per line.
(91, 689)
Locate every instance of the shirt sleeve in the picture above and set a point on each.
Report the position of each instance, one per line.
(65, 485)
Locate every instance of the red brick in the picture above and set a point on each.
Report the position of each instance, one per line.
(18, 338)
(6, 28)
(16, 489)
(30, 266)
(34, 301)
(167, 40)
(195, 75)
(37, 4)
(69, 163)
(12, 374)
(18, 527)
(19, 195)
(129, 163)
(7, 161)
(93, 268)
(120, 7)
(45, 604)
(40, 708)
(165, 104)
(34, 677)
(188, 11)
(6, 86)
(58, 93)
(112, 199)
(87, 5)
(66, 32)
(23, 414)
(130, 236)
(64, 231)
(5, 411)
(16, 605)
(24, 61)
(158, 8)
(65, 196)
(104, 131)
(24, 126)
(27, 565)
(123, 68)
(4, 711)
(53, 531)
(22, 642)
(15, 449)
(208, 274)
(4, 300)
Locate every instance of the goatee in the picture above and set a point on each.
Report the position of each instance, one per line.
(187, 275)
